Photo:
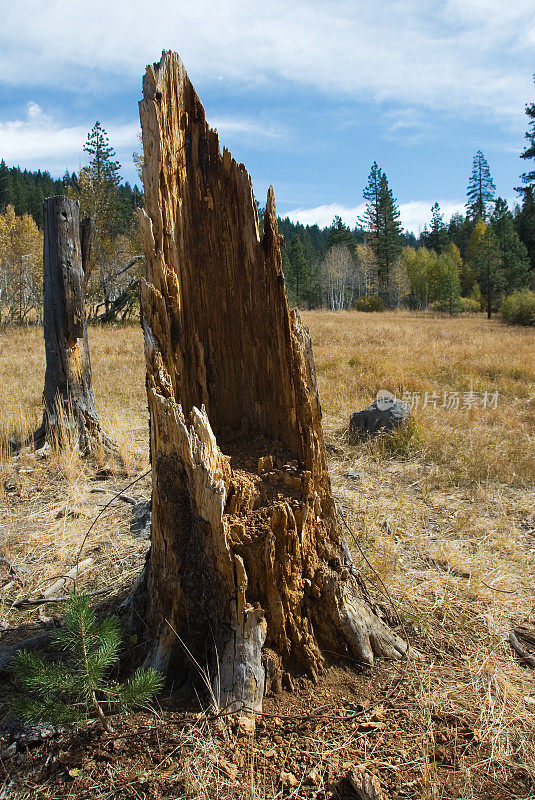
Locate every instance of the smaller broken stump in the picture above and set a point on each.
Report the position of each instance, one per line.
(68, 393)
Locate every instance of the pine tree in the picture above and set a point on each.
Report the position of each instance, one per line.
(99, 182)
(102, 166)
(437, 238)
(312, 287)
(75, 687)
(371, 219)
(487, 262)
(103, 199)
(340, 234)
(525, 219)
(391, 238)
(528, 178)
(515, 261)
(4, 186)
(381, 220)
(525, 223)
(481, 189)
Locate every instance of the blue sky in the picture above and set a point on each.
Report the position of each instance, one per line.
(306, 94)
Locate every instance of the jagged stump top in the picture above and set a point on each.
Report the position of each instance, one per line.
(215, 288)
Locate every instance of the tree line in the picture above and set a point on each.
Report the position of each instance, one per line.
(470, 262)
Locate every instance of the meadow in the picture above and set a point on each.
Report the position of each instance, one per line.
(443, 516)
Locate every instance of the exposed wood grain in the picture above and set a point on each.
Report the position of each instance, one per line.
(248, 570)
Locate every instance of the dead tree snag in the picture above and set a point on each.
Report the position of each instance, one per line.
(248, 570)
(68, 391)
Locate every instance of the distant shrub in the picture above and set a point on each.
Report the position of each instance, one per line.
(444, 305)
(371, 302)
(519, 308)
(469, 304)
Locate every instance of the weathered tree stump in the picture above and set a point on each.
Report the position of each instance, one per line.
(68, 393)
(248, 572)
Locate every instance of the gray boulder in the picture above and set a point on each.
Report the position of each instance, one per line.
(141, 518)
(379, 417)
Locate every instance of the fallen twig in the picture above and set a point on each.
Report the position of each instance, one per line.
(519, 650)
(102, 510)
(124, 497)
(71, 575)
(50, 594)
(27, 602)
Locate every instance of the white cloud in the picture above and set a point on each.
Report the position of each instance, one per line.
(323, 215)
(468, 56)
(417, 213)
(39, 139)
(414, 215)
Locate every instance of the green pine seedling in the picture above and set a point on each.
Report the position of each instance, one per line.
(75, 686)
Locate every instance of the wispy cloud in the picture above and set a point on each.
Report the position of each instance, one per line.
(414, 215)
(42, 141)
(472, 57)
(408, 126)
(244, 127)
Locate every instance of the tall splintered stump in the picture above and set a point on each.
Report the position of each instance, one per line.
(68, 394)
(248, 576)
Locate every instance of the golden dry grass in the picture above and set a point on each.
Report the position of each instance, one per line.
(118, 382)
(358, 354)
(456, 499)
(47, 505)
(461, 496)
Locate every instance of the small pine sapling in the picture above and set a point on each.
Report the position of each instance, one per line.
(75, 686)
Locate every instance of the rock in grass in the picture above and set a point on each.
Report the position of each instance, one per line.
(353, 475)
(141, 518)
(380, 416)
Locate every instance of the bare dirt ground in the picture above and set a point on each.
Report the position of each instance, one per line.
(444, 525)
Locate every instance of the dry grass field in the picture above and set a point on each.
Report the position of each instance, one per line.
(445, 523)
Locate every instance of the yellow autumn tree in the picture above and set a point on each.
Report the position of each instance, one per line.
(21, 268)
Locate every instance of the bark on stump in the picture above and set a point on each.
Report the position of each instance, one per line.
(68, 393)
(248, 571)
